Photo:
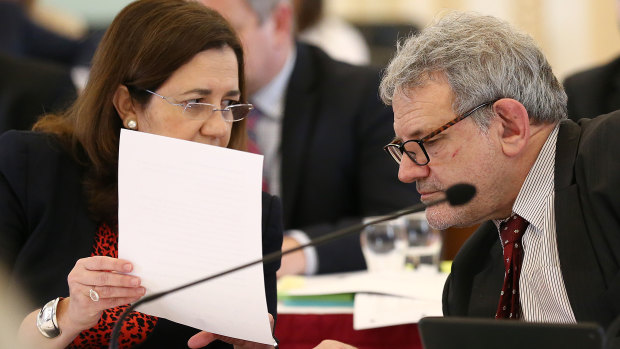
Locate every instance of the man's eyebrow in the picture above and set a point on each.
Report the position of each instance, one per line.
(396, 140)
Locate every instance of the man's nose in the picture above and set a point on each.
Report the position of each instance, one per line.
(409, 171)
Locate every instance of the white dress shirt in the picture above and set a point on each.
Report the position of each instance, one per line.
(543, 295)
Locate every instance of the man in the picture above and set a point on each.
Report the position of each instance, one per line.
(529, 164)
(475, 101)
(322, 133)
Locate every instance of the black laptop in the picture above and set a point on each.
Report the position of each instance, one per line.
(462, 333)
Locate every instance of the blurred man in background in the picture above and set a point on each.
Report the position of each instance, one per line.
(321, 128)
(594, 91)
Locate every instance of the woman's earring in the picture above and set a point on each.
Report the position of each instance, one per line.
(132, 124)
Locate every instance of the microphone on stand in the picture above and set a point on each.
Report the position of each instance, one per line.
(456, 195)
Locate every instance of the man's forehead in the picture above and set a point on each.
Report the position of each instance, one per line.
(235, 11)
(418, 110)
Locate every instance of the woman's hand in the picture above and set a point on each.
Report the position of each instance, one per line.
(203, 338)
(103, 276)
(332, 344)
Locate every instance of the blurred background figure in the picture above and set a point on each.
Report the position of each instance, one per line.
(22, 36)
(338, 38)
(42, 69)
(322, 129)
(12, 307)
(594, 91)
(30, 88)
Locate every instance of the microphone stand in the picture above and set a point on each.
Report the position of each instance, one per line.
(271, 257)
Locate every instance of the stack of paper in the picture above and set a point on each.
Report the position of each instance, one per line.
(381, 299)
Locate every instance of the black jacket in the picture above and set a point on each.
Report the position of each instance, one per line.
(334, 171)
(587, 214)
(45, 227)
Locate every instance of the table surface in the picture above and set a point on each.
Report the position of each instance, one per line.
(305, 331)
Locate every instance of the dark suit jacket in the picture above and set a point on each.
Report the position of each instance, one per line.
(587, 213)
(29, 89)
(45, 227)
(334, 170)
(594, 92)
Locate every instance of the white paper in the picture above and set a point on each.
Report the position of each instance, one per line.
(420, 284)
(187, 211)
(374, 310)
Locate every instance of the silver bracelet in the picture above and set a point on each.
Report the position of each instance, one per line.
(46, 320)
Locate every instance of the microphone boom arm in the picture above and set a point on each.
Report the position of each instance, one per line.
(456, 195)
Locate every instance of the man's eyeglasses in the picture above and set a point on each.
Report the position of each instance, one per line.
(414, 148)
(203, 111)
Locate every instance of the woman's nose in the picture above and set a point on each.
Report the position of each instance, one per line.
(215, 126)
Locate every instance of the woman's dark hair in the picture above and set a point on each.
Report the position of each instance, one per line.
(145, 44)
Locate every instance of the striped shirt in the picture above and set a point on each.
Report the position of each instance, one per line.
(543, 295)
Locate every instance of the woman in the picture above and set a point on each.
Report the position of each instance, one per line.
(58, 186)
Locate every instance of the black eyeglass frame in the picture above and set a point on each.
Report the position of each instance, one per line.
(400, 147)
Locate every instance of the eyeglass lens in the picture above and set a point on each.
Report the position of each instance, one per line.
(202, 110)
(413, 149)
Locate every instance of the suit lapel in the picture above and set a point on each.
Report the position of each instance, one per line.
(577, 258)
(477, 275)
(300, 113)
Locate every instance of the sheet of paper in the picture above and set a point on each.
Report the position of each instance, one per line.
(374, 310)
(424, 283)
(187, 211)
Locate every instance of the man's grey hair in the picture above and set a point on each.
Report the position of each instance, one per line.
(483, 59)
(264, 8)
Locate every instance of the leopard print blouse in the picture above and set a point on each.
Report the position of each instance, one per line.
(136, 327)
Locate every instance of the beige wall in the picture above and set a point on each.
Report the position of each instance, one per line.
(574, 34)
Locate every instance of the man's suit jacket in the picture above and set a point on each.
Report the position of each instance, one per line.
(334, 170)
(587, 213)
(594, 92)
(45, 226)
(29, 89)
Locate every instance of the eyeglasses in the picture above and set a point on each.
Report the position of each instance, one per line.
(414, 148)
(203, 111)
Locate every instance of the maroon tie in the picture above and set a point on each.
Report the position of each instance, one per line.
(511, 232)
(252, 120)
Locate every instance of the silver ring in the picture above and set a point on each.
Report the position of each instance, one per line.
(94, 296)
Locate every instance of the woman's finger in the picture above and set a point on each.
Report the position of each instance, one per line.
(103, 278)
(200, 339)
(105, 263)
(102, 292)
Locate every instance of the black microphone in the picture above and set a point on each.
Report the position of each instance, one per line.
(456, 195)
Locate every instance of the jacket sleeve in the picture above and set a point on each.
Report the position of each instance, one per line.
(272, 242)
(13, 170)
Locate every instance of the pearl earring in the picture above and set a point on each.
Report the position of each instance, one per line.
(132, 124)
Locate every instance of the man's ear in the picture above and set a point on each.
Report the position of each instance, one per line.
(123, 103)
(514, 131)
(283, 22)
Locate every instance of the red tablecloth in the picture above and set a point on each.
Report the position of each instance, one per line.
(296, 331)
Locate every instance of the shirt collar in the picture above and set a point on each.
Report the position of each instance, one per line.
(270, 98)
(538, 185)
